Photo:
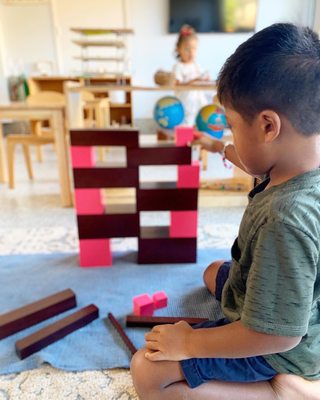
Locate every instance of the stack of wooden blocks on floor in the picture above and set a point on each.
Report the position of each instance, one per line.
(98, 223)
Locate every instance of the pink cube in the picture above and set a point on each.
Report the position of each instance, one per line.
(82, 156)
(160, 299)
(183, 224)
(188, 176)
(95, 253)
(143, 305)
(88, 201)
(183, 135)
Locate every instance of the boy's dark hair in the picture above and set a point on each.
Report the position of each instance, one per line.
(279, 69)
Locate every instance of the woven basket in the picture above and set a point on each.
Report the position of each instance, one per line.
(164, 78)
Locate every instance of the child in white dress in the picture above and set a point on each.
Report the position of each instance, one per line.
(187, 72)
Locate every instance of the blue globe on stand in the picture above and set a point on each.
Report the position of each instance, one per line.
(168, 112)
(212, 120)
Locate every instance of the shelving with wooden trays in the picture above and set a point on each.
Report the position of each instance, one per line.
(115, 44)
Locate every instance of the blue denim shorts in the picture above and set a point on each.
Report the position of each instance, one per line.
(200, 370)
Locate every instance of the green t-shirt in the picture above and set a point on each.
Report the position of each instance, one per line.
(274, 281)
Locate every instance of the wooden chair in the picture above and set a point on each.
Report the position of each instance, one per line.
(38, 135)
(42, 127)
(96, 111)
(88, 106)
(83, 109)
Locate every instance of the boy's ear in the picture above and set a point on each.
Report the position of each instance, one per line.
(270, 123)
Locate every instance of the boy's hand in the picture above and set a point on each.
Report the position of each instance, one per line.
(168, 342)
(208, 143)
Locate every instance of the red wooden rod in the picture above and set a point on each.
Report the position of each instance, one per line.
(38, 311)
(56, 331)
(122, 333)
(149, 321)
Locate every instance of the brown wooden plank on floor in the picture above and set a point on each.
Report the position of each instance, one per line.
(33, 313)
(56, 331)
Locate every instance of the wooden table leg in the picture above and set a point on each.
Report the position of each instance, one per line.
(63, 159)
(2, 157)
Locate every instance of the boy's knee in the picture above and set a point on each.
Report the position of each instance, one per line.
(210, 274)
(141, 373)
(137, 366)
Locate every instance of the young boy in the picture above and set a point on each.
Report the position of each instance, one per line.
(268, 346)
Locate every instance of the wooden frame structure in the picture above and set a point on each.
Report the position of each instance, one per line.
(96, 226)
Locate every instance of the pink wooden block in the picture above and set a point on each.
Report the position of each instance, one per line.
(88, 201)
(188, 176)
(183, 224)
(82, 156)
(160, 299)
(95, 253)
(183, 135)
(143, 305)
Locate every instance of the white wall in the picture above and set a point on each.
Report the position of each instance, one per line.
(78, 14)
(4, 95)
(151, 47)
(27, 36)
(316, 25)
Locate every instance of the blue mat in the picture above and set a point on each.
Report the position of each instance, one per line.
(27, 278)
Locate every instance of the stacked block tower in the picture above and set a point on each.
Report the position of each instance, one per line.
(98, 223)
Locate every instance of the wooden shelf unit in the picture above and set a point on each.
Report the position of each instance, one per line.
(52, 83)
(120, 113)
(115, 56)
(102, 31)
(99, 43)
(117, 59)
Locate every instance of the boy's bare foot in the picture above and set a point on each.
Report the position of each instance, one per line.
(292, 387)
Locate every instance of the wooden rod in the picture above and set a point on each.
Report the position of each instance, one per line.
(33, 313)
(122, 333)
(53, 332)
(149, 322)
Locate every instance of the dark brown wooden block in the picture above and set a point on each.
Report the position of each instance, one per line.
(105, 177)
(149, 321)
(120, 208)
(52, 333)
(158, 155)
(122, 333)
(108, 226)
(157, 185)
(105, 137)
(167, 199)
(167, 250)
(154, 232)
(33, 313)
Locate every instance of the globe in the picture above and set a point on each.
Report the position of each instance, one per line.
(212, 120)
(168, 112)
